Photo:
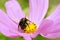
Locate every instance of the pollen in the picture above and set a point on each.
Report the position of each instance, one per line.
(30, 28)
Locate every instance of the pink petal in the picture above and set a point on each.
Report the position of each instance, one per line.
(35, 34)
(5, 20)
(53, 35)
(49, 29)
(44, 26)
(25, 36)
(38, 9)
(6, 25)
(14, 10)
(7, 31)
(53, 31)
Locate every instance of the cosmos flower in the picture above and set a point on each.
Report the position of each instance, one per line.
(14, 23)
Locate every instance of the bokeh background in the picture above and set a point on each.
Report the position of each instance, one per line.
(25, 6)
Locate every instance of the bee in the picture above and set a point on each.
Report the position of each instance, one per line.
(27, 26)
(23, 22)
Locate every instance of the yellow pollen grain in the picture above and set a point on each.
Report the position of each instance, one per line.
(30, 28)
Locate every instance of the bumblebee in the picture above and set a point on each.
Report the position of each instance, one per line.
(27, 25)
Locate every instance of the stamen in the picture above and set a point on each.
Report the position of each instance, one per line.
(30, 28)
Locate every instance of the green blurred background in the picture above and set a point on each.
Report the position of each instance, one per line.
(25, 7)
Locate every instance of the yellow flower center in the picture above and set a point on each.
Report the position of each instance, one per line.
(30, 28)
(27, 26)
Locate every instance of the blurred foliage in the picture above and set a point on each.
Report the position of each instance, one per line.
(2, 2)
(25, 6)
(2, 37)
(40, 38)
(24, 3)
